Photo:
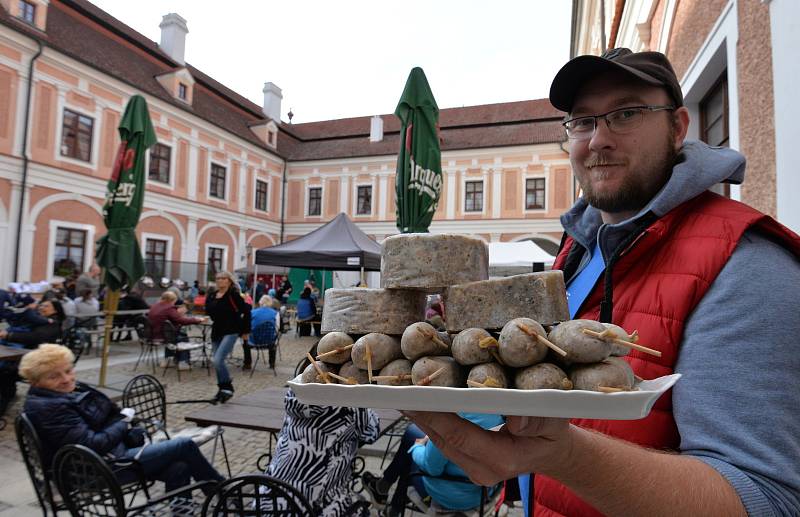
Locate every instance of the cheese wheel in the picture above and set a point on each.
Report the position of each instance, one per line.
(432, 262)
(490, 304)
(360, 311)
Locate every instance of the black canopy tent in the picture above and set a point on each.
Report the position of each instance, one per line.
(338, 246)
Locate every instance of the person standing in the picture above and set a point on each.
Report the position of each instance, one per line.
(89, 280)
(285, 290)
(231, 319)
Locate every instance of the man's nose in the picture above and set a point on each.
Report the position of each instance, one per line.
(602, 138)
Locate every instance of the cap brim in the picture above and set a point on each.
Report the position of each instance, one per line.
(577, 71)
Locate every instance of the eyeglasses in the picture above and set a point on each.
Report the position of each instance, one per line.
(620, 121)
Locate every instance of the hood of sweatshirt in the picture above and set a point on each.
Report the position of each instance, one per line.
(698, 168)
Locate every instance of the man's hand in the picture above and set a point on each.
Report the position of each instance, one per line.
(3, 334)
(421, 441)
(523, 445)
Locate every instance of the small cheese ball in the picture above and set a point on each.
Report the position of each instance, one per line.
(334, 341)
(491, 375)
(351, 371)
(579, 346)
(467, 349)
(311, 375)
(542, 376)
(420, 339)
(384, 349)
(400, 368)
(423, 372)
(615, 374)
(517, 347)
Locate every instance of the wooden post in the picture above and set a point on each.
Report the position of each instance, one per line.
(110, 308)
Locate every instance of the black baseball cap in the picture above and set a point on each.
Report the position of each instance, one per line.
(649, 67)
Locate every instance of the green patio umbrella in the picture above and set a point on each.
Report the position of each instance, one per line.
(419, 163)
(118, 251)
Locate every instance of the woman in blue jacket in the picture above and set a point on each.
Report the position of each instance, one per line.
(418, 462)
(64, 412)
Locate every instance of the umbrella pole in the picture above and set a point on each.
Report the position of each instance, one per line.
(111, 304)
(255, 282)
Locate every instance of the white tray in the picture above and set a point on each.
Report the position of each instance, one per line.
(628, 405)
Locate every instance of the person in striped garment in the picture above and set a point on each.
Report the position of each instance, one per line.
(315, 452)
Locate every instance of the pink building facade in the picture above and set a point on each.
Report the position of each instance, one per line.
(227, 176)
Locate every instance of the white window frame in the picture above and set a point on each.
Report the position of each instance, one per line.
(268, 181)
(321, 199)
(534, 176)
(227, 166)
(371, 202)
(470, 179)
(158, 237)
(88, 254)
(96, 130)
(224, 248)
(172, 171)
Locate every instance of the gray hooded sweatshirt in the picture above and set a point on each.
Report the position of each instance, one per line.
(737, 406)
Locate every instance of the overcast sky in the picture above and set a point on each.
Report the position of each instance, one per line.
(347, 58)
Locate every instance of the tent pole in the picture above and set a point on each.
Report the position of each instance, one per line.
(363, 282)
(255, 283)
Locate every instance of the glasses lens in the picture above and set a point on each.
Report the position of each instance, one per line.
(581, 127)
(626, 119)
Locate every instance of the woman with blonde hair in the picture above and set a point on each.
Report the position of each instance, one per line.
(231, 319)
(65, 412)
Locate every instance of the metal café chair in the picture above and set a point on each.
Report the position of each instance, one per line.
(145, 394)
(31, 449)
(90, 487)
(256, 495)
(264, 338)
(172, 342)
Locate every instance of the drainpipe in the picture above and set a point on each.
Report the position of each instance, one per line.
(283, 199)
(25, 159)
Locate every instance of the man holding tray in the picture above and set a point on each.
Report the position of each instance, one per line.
(710, 282)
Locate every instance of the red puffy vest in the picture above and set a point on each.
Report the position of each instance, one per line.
(657, 282)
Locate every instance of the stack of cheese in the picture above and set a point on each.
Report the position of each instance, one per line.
(497, 330)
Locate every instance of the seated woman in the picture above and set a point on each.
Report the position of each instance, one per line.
(307, 311)
(264, 313)
(417, 463)
(64, 412)
(315, 452)
(41, 327)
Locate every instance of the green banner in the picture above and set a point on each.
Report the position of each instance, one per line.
(118, 251)
(419, 162)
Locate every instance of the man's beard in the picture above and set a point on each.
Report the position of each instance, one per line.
(635, 193)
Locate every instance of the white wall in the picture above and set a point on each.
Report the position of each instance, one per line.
(785, 30)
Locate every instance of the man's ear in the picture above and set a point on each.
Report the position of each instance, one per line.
(681, 121)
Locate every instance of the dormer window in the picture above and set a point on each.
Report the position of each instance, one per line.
(271, 138)
(182, 91)
(27, 11)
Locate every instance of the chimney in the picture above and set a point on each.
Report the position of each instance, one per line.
(173, 36)
(376, 129)
(272, 101)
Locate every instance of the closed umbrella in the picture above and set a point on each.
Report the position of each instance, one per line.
(419, 163)
(118, 251)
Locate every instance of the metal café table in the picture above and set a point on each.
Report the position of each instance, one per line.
(263, 410)
(9, 353)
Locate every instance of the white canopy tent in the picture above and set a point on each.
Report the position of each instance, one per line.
(517, 254)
